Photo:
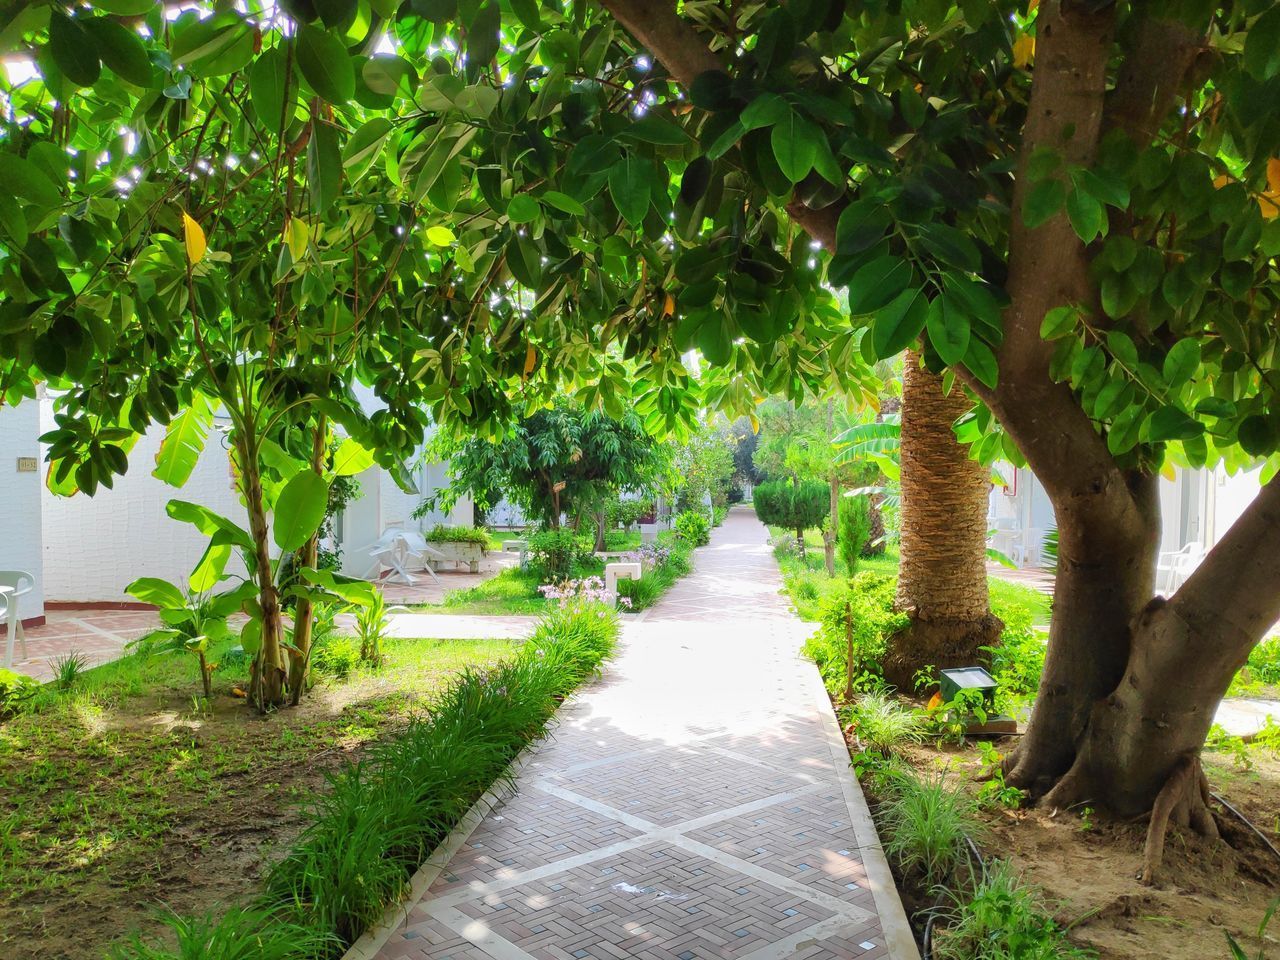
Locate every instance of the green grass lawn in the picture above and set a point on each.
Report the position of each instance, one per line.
(127, 791)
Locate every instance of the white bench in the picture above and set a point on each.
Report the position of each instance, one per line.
(613, 572)
(517, 546)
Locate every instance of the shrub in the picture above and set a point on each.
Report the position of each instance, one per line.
(335, 655)
(927, 825)
(1018, 661)
(693, 527)
(1002, 919)
(628, 511)
(557, 552)
(882, 724)
(718, 515)
(15, 689)
(855, 528)
(795, 505)
(441, 533)
(664, 563)
(865, 605)
(241, 933)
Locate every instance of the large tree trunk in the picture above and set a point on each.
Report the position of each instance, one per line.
(942, 577)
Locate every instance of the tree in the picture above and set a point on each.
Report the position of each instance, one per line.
(797, 505)
(855, 526)
(576, 209)
(942, 574)
(560, 460)
(1111, 305)
(702, 467)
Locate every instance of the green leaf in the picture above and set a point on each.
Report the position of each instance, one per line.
(897, 325)
(482, 38)
(1043, 201)
(351, 458)
(877, 283)
(159, 593)
(1170, 423)
(121, 49)
(1121, 346)
(325, 64)
(324, 166)
(1124, 432)
(299, 509)
(211, 565)
(795, 146)
(949, 329)
(73, 49)
(714, 339)
(439, 235)
(23, 178)
(267, 78)
(765, 110)
(523, 209)
(563, 202)
(390, 75)
(183, 442)
(1105, 187)
(126, 8)
(951, 246)
(981, 362)
(335, 13)
(652, 128)
(208, 522)
(1059, 322)
(1086, 215)
(1256, 436)
(1181, 362)
(1262, 45)
(364, 146)
(629, 187)
(862, 225)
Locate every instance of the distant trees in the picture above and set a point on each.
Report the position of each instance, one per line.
(797, 505)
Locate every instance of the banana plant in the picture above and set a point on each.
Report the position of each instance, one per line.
(195, 619)
(360, 599)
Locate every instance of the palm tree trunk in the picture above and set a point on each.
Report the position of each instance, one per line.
(942, 577)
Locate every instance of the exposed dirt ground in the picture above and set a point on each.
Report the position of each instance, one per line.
(1088, 865)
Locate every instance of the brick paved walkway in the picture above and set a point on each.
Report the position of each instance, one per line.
(695, 803)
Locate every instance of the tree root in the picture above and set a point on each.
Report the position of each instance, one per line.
(1184, 799)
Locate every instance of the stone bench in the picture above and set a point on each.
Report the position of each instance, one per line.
(517, 546)
(613, 572)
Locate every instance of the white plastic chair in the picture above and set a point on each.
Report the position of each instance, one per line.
(1175, 566)
(1027, 552)
(17, 582)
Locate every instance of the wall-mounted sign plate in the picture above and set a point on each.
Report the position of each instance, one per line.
(28, 465)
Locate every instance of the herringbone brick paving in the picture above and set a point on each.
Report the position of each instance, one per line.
(696, 803)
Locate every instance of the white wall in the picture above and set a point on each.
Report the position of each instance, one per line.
(20, 533)
(95, 546)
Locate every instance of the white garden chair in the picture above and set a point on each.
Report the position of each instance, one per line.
(14, 583)
(1175, 566)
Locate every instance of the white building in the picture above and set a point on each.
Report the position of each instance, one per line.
(1197, 507)
(87, 549)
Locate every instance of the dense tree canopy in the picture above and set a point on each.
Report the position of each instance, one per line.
(561, 460)
(1067, 206)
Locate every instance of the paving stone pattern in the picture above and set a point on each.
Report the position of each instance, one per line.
(694, 803)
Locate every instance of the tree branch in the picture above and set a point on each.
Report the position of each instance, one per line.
(1162, 53)
(675, 43)
(1233, 594)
